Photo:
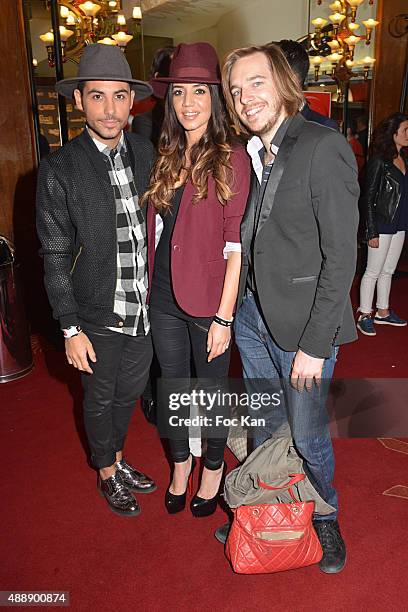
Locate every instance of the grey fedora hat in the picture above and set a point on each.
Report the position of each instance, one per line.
(103, 63)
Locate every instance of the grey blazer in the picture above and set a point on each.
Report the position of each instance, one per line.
(304, 251)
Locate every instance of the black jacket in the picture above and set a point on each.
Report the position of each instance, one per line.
(304, 251)
(381, 195)
(76, 224)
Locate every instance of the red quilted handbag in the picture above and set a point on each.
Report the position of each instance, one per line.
(271, 538)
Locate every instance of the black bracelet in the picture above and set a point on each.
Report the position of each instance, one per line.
(221, 321)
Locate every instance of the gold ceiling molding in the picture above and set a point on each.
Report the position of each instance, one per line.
(148, 5)
(164, 8)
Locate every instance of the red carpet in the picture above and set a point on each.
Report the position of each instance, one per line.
(386, 354)
(57, 533)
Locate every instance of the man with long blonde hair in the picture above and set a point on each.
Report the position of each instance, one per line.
(298, 260)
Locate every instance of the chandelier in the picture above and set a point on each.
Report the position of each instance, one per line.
(336, 38)
(85, 23)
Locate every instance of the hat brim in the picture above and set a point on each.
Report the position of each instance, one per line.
(187, 80)
(66, 87)
(159, 89)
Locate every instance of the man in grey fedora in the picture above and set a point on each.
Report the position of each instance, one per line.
(93, 236)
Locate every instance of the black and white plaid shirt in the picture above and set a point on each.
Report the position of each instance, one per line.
(132, 280)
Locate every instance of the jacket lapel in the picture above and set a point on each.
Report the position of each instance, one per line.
(279, 165)
(99, 163)
(185, 202)
(248, 220)
(140, 188)
(95, 157)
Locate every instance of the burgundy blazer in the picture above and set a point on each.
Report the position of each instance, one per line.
(199, 236)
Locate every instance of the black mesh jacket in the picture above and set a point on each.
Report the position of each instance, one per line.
(76, 224)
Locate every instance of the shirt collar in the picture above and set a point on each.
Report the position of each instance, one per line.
(255, 147)
(103, 148)
(280, 134)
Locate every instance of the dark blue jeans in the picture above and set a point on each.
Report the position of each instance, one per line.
(302, 415)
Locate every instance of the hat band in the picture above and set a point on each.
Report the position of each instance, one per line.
(199, 73)
(105, 75)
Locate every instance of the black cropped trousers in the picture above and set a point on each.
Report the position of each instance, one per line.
(179, 341)
(110, 393)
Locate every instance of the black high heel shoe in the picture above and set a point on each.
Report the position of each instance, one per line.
(204, 507)
(177, 503)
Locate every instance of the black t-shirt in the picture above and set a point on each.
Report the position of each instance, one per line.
(162, 291)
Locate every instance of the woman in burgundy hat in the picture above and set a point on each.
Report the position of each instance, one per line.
(197, 196)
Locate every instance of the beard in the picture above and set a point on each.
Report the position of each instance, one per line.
(271, 122)
(105, 134)
(269, 125)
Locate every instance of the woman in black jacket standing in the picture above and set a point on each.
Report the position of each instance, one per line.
(385, 201)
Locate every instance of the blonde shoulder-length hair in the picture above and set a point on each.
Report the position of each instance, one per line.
(285, 81)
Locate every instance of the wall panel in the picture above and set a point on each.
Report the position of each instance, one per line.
(17, 151)
(391, 54)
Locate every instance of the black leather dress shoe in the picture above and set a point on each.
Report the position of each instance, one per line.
(334, 549)
(221, 534)
(134, 480)
(118, 496)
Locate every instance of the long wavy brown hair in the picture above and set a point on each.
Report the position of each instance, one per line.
(210, 156)
(383, 138)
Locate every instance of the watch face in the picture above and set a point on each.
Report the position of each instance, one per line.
(73, 330)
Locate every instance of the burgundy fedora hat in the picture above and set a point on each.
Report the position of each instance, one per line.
(193, 63)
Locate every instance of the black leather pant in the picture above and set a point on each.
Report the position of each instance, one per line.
(177, 338)
(110, 393)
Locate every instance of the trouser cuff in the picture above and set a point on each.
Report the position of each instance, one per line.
(118, 446)
(103, 461)
(181, 459)
(325, 517)
(213, 465)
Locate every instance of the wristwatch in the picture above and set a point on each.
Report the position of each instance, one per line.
(72, 330)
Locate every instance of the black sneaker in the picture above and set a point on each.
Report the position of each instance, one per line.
(392, 319)
(334, 549)
(365, 324)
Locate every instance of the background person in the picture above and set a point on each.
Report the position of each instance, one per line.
(385, 201)
(199, 190)
(355, 144)
(149, 123)
(298, 59)
(362, 132)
